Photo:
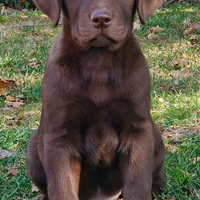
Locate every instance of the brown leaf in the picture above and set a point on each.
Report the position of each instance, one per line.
(44, 16)
(8, 122)
(136, 26)
(20, 96)
(17, 104)
(34, 188)
(152, 36)
(197, 120)
(194, 40)
(32, 53)
(5, 153)
(187, 21)
(168, 135)
(3, 91)
(14, 104)
(23, 68)
(195, 128)
(3, 86)
(163, 85)
(156, 29)
(10, 98)
(24, 16)
(181, 73)
(172, 89)
(11, 82)
(189, 31)
(173, 63)
(13, 171)
(33, 65)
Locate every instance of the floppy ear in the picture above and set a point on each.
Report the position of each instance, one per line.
(51, 8)
(146, 8)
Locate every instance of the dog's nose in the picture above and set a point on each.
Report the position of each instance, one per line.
(101, 18)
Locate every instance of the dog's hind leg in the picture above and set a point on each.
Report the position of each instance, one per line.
(159, 157)
(34, 166)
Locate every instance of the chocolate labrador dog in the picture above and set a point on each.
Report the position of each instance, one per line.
(96, 137)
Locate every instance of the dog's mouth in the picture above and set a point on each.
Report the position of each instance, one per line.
(102, 41)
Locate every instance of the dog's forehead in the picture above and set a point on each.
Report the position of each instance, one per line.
(96, 3)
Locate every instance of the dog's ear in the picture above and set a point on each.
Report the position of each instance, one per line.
(51, 8)
(146, 8)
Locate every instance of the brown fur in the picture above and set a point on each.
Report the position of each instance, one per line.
(96, 136)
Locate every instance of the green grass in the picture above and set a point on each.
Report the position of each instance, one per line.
(175, 106)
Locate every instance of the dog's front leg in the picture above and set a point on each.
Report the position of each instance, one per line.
(136, 160)
(60, 147)
(62, 169)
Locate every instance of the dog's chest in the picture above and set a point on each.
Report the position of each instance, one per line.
(101, 85)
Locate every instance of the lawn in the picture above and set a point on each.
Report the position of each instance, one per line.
(171, 43)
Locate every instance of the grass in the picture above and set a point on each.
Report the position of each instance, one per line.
(175, 99)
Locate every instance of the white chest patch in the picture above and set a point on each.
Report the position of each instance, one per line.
(101, 196)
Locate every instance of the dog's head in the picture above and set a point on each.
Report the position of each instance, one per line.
(99, 23)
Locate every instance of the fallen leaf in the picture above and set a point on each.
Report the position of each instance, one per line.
(33, 65)
(172, 89)
(152, 36)
(34, 188)
(156, 29)
(173, 63)
(23, 68)
(187, 21)
(196, 26)
(197, 120)
(189, 31)
(184, 55)
(163, 85)
(183, 62)
(161, 100)
(193, 40)
(3, 86)
(9, 117)
(20, 96)
(10, 98)
(195, 128)
(136, 26)
(14, 104)
(194, 160)
(11, 82)
(17, 104)
(13, 171)
(44, 16)
(181, 73)
(198, 14)
(168, 135)
(32, 53)
(5, 153)
(8, 122)
(24, 16)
